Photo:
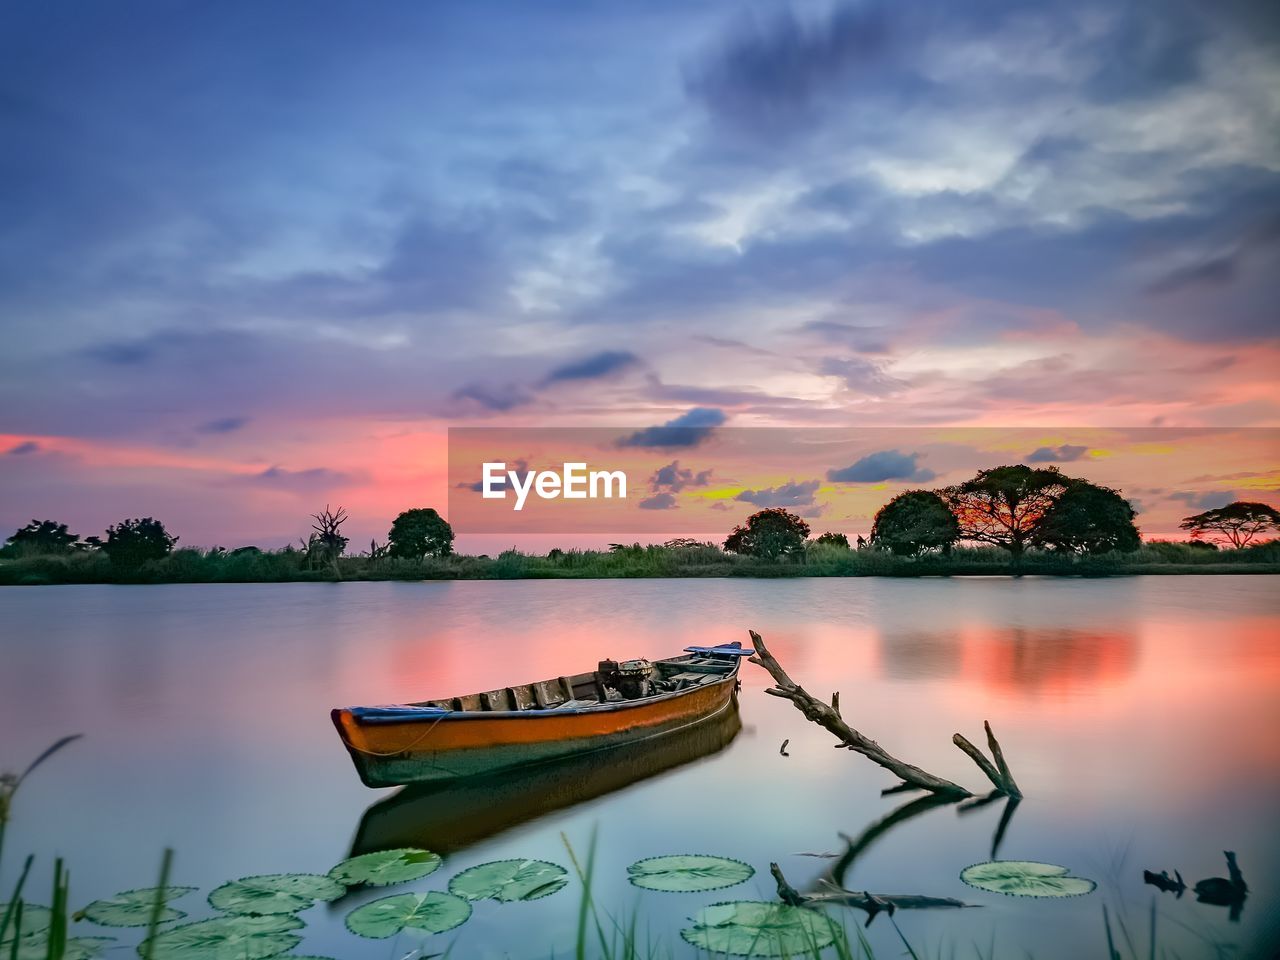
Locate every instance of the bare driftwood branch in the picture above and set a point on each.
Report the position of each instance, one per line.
(998, 772)
(872, 903)
(828, 716)
(913, 778)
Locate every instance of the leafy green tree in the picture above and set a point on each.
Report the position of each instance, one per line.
(41, 537)
(1238, 523)
(770, 534)
(1088, 518)
(915, 522)
(419, 533)
(833, 539)
(1002, 506)
(131, 543)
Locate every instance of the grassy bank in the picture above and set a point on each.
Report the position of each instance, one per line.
(279, 566)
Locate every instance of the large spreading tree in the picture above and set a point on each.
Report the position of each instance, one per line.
(915, 522)
(1004, 505)
(1238, 523)
(41, 537)
(770, 534)
(1087, 518)
(131, 543)
(419, 533)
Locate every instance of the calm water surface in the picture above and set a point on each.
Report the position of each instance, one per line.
(1141, 717)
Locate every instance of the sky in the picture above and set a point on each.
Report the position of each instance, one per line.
(257, 258)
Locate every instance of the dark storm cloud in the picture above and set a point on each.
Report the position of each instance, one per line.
(690, 429)
(223, 425)
(881, 466)
(659, 501)
(603, 364)
(774, 73)
(789, 494)
(1203, 501)
(314, 478)
(1066, 453)
(674, 478)
(500, 398)
(520, 467)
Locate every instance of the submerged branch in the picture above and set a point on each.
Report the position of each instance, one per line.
(829, 717)
(913, 778)
(872, 903)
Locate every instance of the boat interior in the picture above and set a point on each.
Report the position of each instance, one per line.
(611, 682)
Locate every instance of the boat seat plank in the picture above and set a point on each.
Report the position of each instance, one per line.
(522, 697)
(547, 694)
(496, 700)
(691, 678)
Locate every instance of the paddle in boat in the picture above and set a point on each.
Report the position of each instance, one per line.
(615, 704)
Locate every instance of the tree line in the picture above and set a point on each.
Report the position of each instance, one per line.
(1015, 507)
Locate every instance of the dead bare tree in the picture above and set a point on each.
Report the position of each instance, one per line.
(913, 778)
(328, 538)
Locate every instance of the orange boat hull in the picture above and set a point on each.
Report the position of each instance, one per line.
(461, 744)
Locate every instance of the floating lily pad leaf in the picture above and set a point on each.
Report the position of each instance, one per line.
(133, 907)
(232, 937)
(749, 928)
(433, 912)
(35, 919)
(275, 893)
(688, 873)
(509, 880)
(1026, 878)
(77, 948)
(385, 867)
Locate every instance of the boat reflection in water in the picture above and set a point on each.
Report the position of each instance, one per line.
(450, 816)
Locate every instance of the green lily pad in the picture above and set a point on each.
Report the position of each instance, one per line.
(77, 948)
(432, 912)
(275, 893)
(133, 908)
(35, 919)
(1026, 878)
(386, 867)
(688, 873)
(233, 937)
(510, 880)
(749, 928)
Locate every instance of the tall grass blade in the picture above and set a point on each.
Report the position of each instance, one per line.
(15, 901)
(157, 908)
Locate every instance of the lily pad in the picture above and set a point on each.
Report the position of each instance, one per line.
(35, 919)
(749, 928)
(1026, 878)
(386, 867)
(275, 893)
(689, 873)
(509, 880)
(432, 912)
(76, 948)
(233, 937)
(133, 908)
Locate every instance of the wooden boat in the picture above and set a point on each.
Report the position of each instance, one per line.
(615, 704)
(448, 816)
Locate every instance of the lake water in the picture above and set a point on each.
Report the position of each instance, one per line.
(1141, 717)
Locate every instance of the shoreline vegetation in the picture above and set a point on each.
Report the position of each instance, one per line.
(677, 560)
(1012, 520)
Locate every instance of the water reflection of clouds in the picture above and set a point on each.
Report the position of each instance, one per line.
(1013, 659)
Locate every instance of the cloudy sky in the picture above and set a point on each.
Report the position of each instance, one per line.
(257, 257)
